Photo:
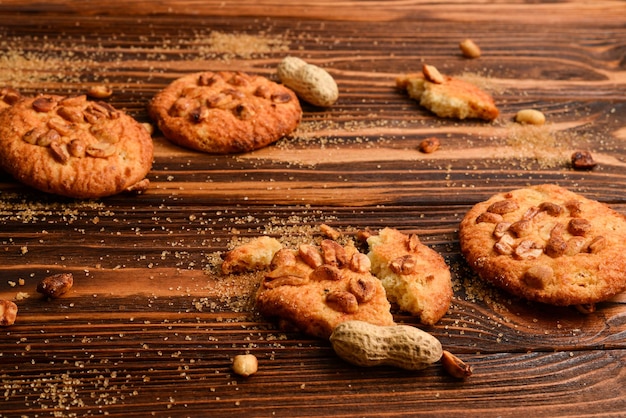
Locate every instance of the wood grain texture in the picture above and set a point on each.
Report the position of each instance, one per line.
(150, 327)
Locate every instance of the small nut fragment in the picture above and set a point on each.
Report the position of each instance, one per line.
(530, 117)
(310, 82)
(330, 232)
(333, 253)
(405, 264)
(488, 217)
(56, 285)
(363, 289)
(454, 366)
(283, 257)
(326, 272)
(310, 255)
(245, 364)
(60, 152)
(505, 245)
(521, 228)
(551, 209)
(556, 246)
(413, 243)
(501, 229)
(527, 250)
(574, 207)
(139, 187)
(71, 114)
(503, 206)
(596, 245)
(101, 150)
(578, 226)
(538, 276)
(432, 74)
(429, 145)
(77, 148)
(342, 301)
(469, 49)
(99, 91)
(48, 138)
(44, 104)
(583, 160)
(360, 263)
(32, 136)
(8, 313)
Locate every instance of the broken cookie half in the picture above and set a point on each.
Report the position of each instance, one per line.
(415, 277)
(448, 97)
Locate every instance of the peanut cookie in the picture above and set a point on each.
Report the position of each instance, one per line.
(225, 112)
(414, 276)
(313, 289)
(449, 97)
(73, 147)
(547, 244)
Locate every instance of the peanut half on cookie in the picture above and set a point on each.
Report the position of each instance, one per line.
(225, 112)
(74, 147)
(547, 244)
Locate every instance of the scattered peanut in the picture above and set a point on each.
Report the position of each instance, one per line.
(432, 74)
(99, 92)
(530, 117)
(583, 160)
(454, 366)
(429, 145)
(8, 312)
(310, 82)
(404, 346)
(469, 49)
(245, 364)
(56, 285)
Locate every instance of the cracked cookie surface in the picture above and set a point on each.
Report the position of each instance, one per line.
(74, 147)
(547, 244)
(225, 112)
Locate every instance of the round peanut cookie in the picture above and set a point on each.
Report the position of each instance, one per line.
(225, 112)
(547, 244)
(74, 147)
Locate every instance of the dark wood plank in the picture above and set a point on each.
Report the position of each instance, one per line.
(150, 326)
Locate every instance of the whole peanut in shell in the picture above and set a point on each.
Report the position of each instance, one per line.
(403, 346)
(310, 82)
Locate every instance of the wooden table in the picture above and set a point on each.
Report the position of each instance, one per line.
(150, 326)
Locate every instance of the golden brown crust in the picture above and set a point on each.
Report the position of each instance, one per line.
(452, 98)
(413, 275)
(547, 244)
(313, 289)
(73, 147)
(225, 112)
